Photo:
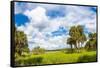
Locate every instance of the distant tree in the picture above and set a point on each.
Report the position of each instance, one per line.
(37, 50)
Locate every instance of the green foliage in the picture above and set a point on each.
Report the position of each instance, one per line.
(38, 50)
(92, 35)
(71, 42)
(91, 43)
(21, 44)
(29, 61)
(56, 58)
(77, 36)
(34, 60)
(87, 58)
(16, 55)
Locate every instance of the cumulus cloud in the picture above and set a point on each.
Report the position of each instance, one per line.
(40, 27)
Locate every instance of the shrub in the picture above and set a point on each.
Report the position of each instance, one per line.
(29, 61)
(87, 58)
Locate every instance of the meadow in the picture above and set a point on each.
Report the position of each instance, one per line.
(56, 57)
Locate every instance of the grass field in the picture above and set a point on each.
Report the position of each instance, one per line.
(56, 57)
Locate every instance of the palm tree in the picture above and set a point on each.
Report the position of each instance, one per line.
(77, 34)
(71, 42)
(74, 35)
(80, 29)
(91, 43)
(82, 39)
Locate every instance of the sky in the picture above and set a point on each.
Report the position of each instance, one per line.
(47, 25)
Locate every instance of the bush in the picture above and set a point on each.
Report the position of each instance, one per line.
(34, 61)
(87, 58)
(29, 61)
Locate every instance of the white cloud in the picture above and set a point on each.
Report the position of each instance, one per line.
(37, 15)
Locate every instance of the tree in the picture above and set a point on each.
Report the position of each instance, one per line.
(77, 34)
(82, 39)
(20, 42)
(91, 43)
(71, 42)
(92, 35)
(74, 35)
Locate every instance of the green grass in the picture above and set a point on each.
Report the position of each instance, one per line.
(56, 58)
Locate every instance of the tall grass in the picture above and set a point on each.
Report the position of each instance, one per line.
(56, 58)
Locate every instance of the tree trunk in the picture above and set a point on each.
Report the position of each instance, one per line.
(78, 46)
(71, 49)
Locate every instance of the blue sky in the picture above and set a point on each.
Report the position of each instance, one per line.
(21, 19)
(61, 31)
(47, 25)
(54, 13)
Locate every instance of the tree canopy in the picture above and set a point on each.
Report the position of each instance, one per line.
(77, 36)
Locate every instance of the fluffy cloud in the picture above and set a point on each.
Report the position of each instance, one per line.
(40, 27)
